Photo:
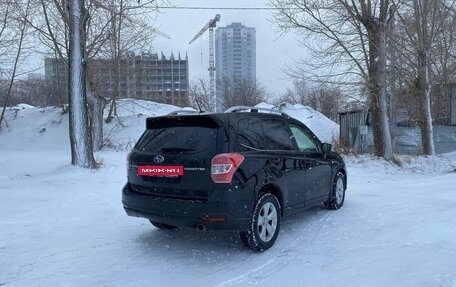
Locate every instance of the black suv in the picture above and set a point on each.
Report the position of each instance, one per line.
(239, 170)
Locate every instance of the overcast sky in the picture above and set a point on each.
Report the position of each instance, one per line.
(273, 52)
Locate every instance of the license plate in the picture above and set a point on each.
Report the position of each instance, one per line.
(160, 170)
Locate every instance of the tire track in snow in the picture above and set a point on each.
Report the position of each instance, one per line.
(280, 260)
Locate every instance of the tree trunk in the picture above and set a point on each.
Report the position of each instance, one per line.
(97, 105)
(80, 136)
(377, 90)
(425, 122)
(393, 95)
(116, 23)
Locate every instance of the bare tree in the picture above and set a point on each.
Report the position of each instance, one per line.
(129, 31)
(16, 15)
(199, 95)
(326, 100)
(289, 96)
(54, 32)
(240, 92)
(53, 28)
(351, 36)
(321, 97)
(30, 91)
(443, 76)
(423, 21)
(80, 136)
(294, 95)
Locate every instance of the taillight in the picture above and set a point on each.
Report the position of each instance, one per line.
(223, 166)
(128, 161)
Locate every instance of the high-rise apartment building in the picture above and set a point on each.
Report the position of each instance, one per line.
(146, 77)
(235, 54)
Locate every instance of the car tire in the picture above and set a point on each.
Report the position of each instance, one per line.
(337, 195)
(264, 225)
(162, 225)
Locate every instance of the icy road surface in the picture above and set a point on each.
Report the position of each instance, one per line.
(63, 226)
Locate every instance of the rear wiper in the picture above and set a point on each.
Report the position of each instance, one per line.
(177, 149)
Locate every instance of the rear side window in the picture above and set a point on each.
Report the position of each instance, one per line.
(168, 136)
(263, 134)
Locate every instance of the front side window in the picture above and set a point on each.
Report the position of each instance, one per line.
(303, 140)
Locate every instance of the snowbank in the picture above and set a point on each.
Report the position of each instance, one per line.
(133, 107)
(23, 106)
(40, 128)
(47, 128)
(325, 129)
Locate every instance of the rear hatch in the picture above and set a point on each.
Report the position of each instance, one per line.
(173, 157)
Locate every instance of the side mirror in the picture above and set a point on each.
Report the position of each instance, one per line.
(326, 147)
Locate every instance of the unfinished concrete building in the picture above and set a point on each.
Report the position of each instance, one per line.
(146, 77)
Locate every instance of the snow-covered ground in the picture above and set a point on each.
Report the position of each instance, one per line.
(65, 226)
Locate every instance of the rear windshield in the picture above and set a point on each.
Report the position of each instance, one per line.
(178, 137)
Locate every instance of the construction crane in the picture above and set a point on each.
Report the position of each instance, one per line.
(210, 25)
(158, 32)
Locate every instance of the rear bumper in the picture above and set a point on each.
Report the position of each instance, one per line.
(235, 207)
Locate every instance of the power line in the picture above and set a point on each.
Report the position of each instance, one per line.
(213, 8)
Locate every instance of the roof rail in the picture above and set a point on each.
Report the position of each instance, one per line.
(184, 112)
(254, 110)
